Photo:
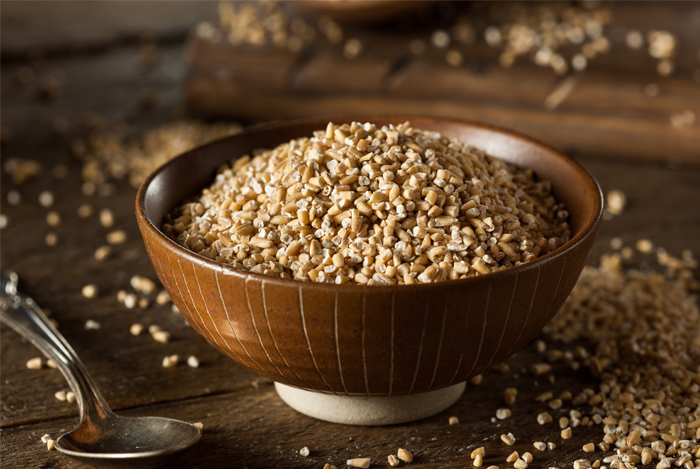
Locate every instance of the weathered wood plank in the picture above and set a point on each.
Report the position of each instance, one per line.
(70, 26)
(635, 138)
(605, 111)
(253, 428)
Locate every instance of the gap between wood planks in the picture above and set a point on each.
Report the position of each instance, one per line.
(163, 403)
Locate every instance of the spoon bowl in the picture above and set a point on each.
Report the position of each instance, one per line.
(103, 439)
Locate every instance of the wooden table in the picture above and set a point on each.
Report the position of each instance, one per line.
(245, 423)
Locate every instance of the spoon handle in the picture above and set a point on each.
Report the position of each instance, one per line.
(22, 314)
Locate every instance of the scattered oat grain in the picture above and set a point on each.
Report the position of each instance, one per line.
(102, 253)
(193, 362)
(616, 202)
(616, 243)
(106, 218)
(579, 62)
(645, 246)
(626, 253)
(90, 291)
(51, 239)
(541, 368)
(53, 218)
(46, 199)
(116, 237)
(683, 119)
(170, 361)
(35, 363)
(13, 197)
(440, 38)
(85, 211)
(161, 336)
(555, 404)
(359, 462)
(352, 48)
(130, 300)
(665, 67)
(404, 455)
(509, 395)
(502, 414)
(163, 298)
(142, 284)
(92, 325)
(454, 58)
(650, 90)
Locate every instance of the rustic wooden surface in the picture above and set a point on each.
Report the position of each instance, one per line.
(247, 425)
(76, 26)
(605, 113)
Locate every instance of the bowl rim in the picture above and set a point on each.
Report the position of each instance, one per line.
(589, 226)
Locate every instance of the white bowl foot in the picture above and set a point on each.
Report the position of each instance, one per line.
(372, 410)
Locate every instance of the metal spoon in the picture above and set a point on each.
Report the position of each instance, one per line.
(103, 439)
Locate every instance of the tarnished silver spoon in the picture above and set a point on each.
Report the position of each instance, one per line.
(103, 439)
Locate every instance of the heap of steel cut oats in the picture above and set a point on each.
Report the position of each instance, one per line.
(372, 205)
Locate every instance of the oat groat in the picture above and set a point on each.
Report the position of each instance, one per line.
(376, 206)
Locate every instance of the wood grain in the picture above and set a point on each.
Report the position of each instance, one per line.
(606, 113)
(75, 26)
(250, 427)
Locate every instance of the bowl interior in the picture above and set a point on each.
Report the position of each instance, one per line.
(186, 175)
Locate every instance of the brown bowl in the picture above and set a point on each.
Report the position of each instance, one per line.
(353, 340)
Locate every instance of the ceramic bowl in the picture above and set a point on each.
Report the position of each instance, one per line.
(368, 341)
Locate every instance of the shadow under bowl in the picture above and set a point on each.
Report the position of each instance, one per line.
(368, 341)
